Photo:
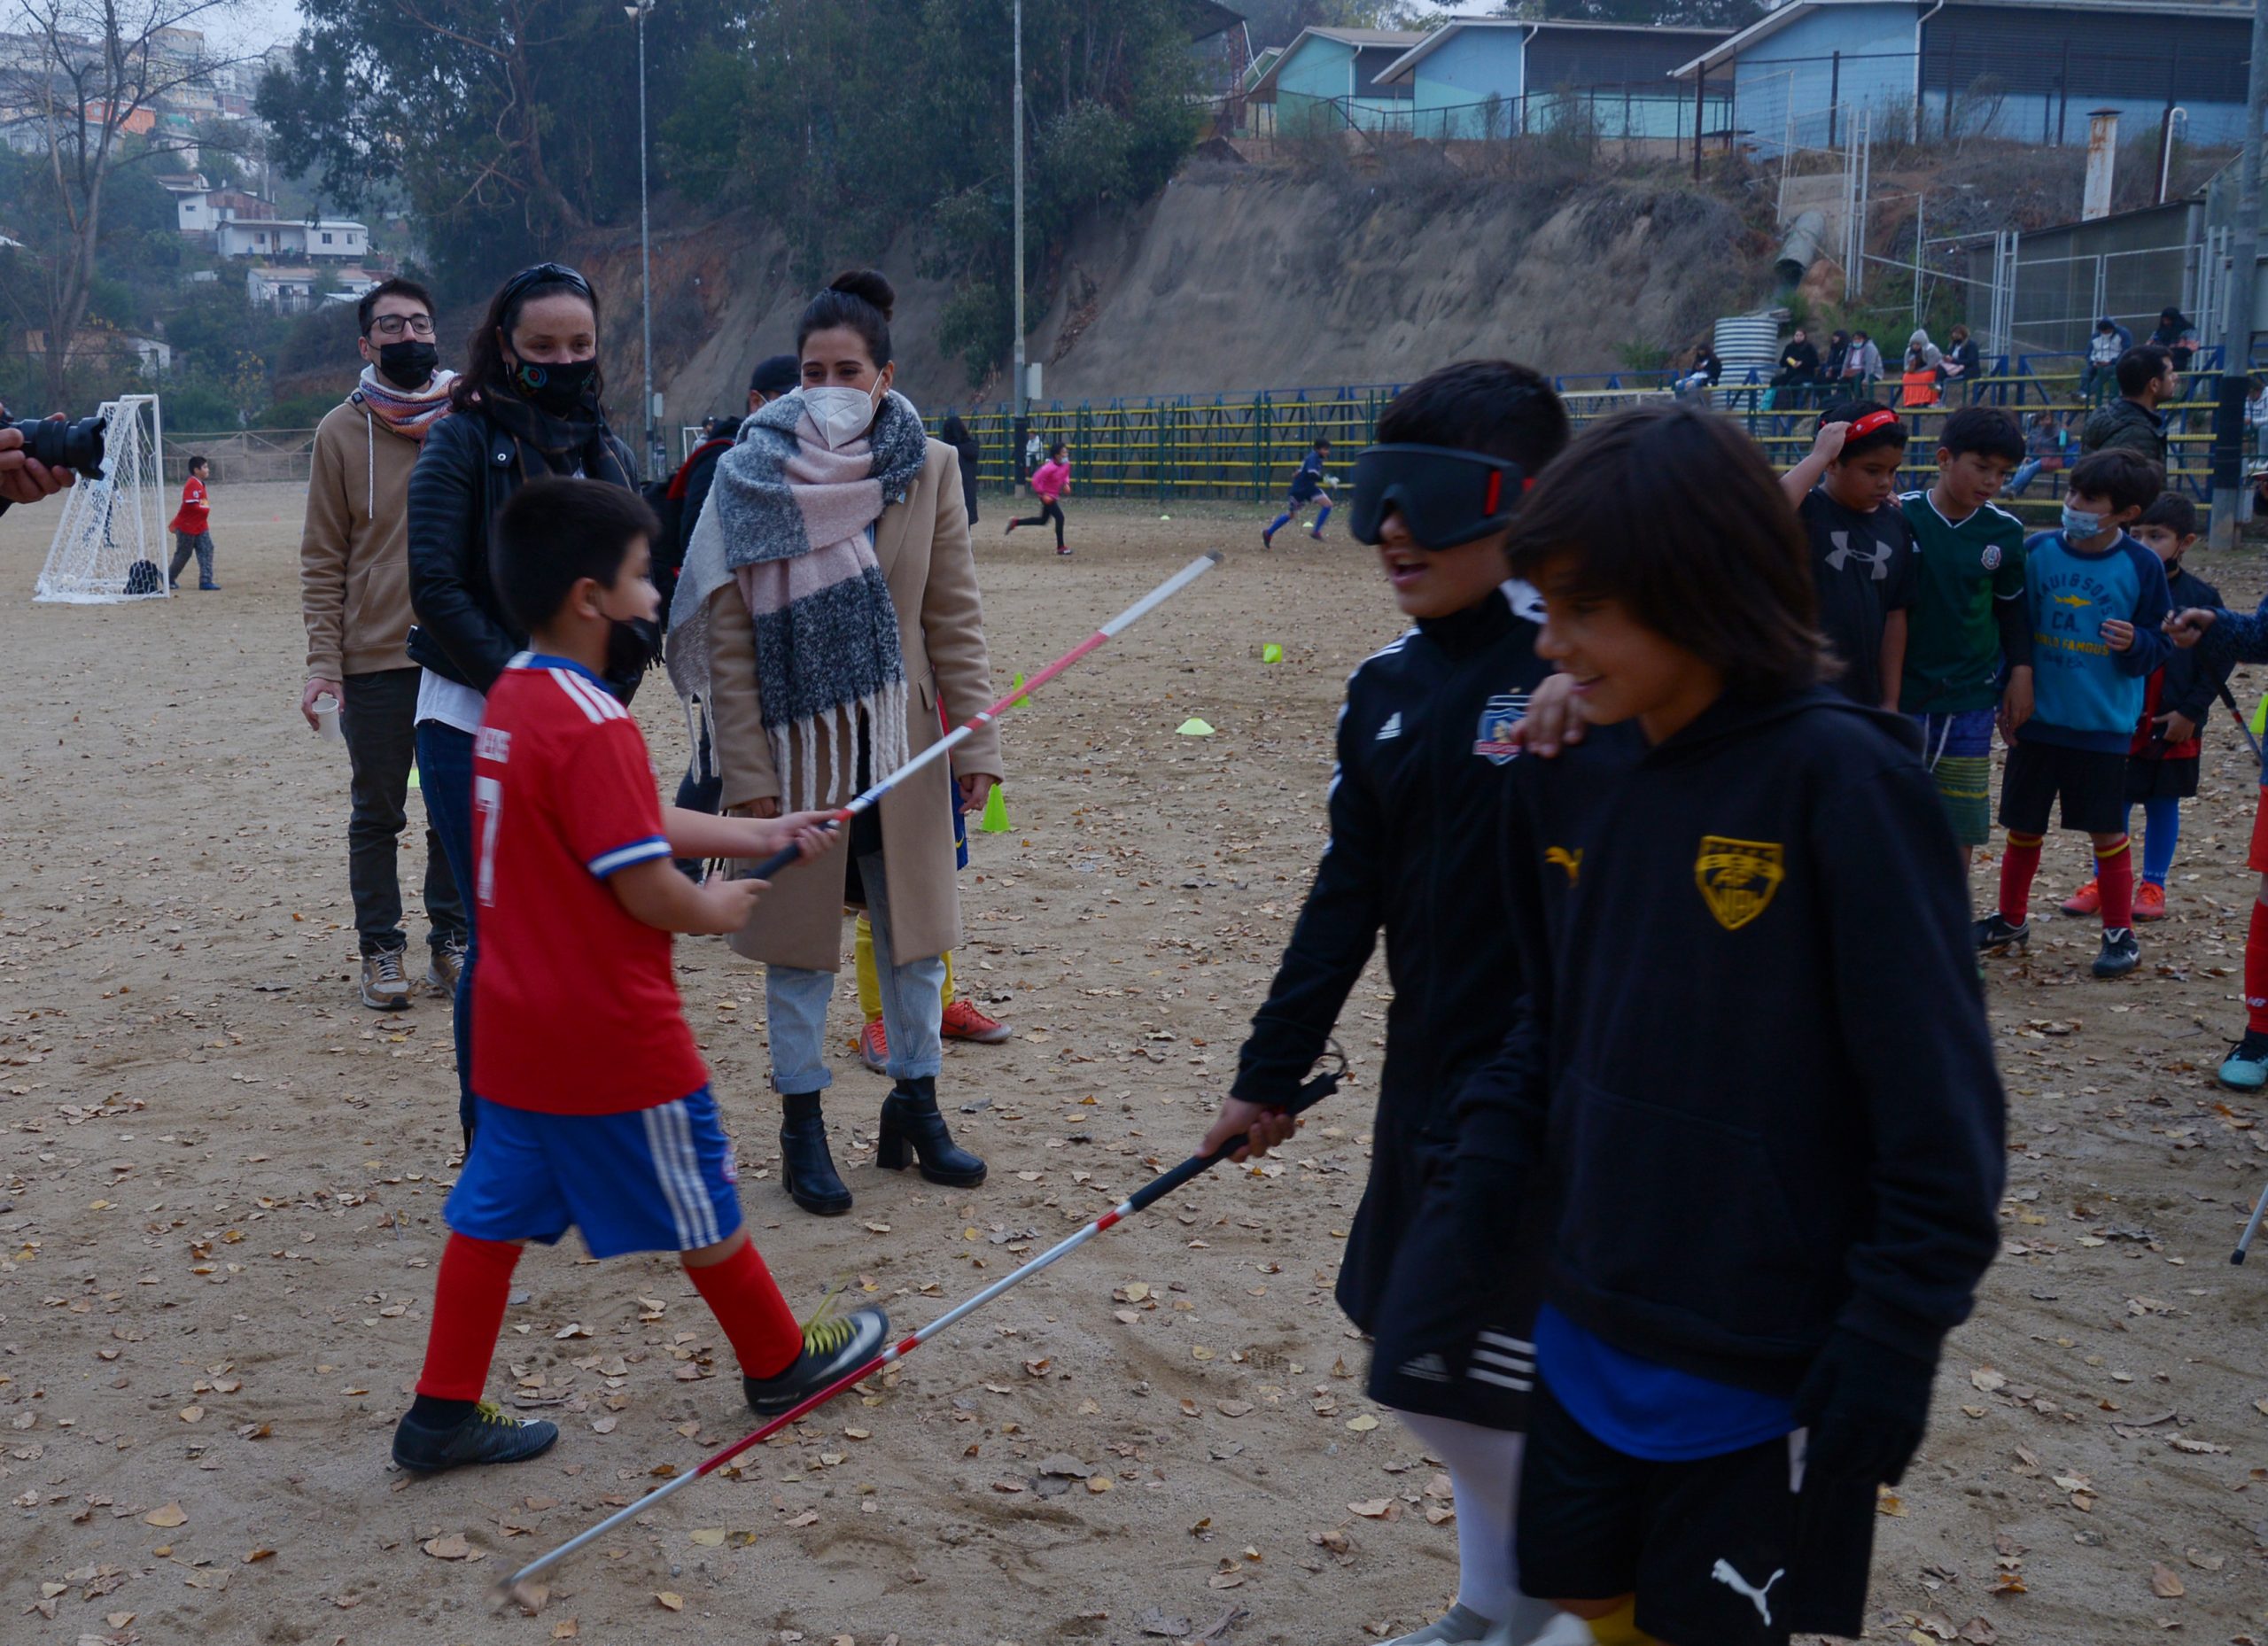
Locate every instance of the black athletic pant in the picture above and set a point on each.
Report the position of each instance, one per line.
(1049, 509)
(378, 718)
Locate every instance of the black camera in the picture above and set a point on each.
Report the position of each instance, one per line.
(76, 445)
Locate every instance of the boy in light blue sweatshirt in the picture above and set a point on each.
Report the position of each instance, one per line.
(2097, 599)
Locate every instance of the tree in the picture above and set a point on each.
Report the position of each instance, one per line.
(95, 72)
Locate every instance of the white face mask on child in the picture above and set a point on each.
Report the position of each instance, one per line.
(841, 415)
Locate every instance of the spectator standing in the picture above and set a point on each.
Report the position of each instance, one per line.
(2132, 422)
(192, 527)
(2177, 335)
(955, 433)
(2109, 341)
(529, 404)
(354, 604)
(2256, 416)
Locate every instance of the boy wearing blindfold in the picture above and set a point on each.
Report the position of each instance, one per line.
(1424, 758)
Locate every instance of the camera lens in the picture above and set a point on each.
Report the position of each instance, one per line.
(76, 445)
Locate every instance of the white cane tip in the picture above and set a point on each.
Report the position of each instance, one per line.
(1216, 556)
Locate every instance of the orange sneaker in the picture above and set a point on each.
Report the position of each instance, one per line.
(2086, 900)
(964, 1022)
(2149, 901)
(874, 1047)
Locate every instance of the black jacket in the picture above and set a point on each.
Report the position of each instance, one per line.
(2189, 682)
(468, 468)
(2128, 423)
(1754, 1066)
(1799, 361)
(1413, 850)
(956, 434)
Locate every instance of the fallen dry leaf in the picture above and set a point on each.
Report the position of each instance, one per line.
(453, 1547)
(171, 1515)
(673, 1601)
(1101, 1483)
(2165, 1582)
(1363, 1425)
(251, 1555)
(190, 1414)
(709, 1537)
(565, 1629)
(1988, 1380)
(1375, 1509)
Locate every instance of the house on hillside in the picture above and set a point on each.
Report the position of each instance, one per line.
(1324, 80)
(294, 290)
(270, 237)
(199, 214)
(1481, 77)
(2027, 70)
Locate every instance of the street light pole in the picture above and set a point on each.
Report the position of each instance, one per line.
(655, 457)
(1022, 422)
(2229, 429)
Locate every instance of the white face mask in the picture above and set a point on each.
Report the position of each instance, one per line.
(841, 415)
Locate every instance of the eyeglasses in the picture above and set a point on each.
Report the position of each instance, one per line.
(394, 325)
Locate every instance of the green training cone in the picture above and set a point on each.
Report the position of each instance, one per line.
(1193, 727)
(1019, 685)
(1271, 652)
(995, 820)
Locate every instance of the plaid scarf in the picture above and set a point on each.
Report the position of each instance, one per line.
(408, 413)
(790, 523)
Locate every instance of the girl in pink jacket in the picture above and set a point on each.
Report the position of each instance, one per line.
(1049, 482)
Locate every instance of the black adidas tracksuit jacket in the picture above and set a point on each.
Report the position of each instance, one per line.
(1754, 1066)
(1415, 807)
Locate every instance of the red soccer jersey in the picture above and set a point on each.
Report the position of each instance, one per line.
(575, 1003)
(194, 517)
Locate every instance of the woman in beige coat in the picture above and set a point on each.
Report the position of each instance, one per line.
(828, 612)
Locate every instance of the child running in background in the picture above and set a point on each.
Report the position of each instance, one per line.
(1049, 482)
(1413, 852)
(1309, 484)
(1968, 645)
(2098, 603)
(594, 1109)
(192, 527)
(1862, 552)
(1760, 1239)
(2162, 759)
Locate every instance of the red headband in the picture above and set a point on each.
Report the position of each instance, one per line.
(1881, 417)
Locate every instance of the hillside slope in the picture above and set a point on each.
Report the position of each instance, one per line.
(1244, 277)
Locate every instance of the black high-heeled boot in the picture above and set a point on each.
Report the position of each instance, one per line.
(910, 1120)
(805, 1167)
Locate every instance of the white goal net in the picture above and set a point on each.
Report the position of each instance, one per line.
(110, 544)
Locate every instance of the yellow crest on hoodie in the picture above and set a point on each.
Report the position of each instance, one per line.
(1737, 877)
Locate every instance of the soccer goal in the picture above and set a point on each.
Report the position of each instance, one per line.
(110, 544)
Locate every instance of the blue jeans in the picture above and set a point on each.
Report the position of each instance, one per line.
(2022, 477)
(795, 1000)
(445, 770)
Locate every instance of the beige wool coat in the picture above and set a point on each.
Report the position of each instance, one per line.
(922, 546)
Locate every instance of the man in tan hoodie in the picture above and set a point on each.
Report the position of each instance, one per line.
(354, 597)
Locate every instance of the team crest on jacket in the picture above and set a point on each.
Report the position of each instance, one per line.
(1737, 877)
(1498, 716)
(1991, 557)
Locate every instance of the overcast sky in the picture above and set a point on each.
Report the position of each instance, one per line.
(256, 25)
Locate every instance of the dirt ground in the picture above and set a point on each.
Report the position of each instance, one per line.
(221, 1195)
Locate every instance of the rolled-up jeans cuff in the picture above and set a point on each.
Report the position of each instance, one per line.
(794, 1013)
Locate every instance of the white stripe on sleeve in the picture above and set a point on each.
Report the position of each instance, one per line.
(622, 857)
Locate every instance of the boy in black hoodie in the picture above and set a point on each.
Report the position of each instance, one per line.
(1423, 764)
(1773, 1198)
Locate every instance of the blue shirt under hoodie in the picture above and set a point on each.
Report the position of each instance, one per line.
(2086, 695)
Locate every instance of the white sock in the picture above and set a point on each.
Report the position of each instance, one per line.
(1484, 1471)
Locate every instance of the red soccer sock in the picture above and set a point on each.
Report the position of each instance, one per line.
(740, 1292)
(2114, 878)
(2255, 971)
(2018, 865)
(469, 1298)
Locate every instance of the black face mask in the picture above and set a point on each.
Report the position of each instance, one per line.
(633, 646)
(408, 363)
(557, 387)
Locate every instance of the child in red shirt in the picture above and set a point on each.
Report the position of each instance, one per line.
(192, 527)
(593, 1104)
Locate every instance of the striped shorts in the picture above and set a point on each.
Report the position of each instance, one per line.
(1958, 751)
(659, 1179)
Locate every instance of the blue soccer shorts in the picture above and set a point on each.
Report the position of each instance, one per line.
(646, 1180)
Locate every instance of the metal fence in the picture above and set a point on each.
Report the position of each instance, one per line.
(1651, 117)
(1244, 448)
(245, 456)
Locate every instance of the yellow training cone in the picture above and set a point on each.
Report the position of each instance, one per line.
(1271, 652)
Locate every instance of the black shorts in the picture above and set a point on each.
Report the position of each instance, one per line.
(2160, 779)
(2090, 784)
(1720, 1552)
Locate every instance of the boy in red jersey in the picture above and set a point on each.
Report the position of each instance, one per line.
(593, 1104)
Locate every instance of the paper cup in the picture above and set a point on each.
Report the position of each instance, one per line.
(327, 719)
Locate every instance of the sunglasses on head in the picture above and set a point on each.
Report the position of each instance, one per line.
(544, 275)
(1446, 497)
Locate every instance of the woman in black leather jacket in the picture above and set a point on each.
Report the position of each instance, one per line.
(527, 404)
